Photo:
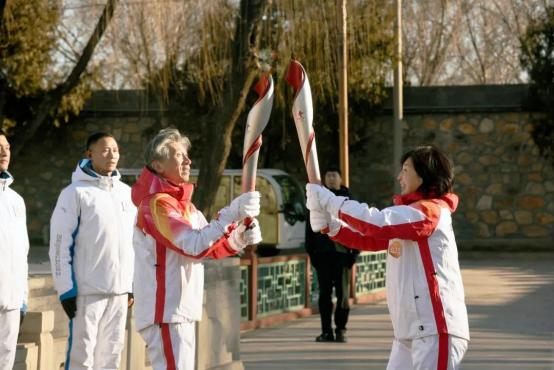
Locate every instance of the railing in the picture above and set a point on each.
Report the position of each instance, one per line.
(273, 288)
(370, 273)
(280, 288)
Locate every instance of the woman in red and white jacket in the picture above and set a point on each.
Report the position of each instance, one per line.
(425, 294)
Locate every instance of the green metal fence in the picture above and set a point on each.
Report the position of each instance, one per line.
(281, 284)
(370, 272)
(281, 287)
(243, 286)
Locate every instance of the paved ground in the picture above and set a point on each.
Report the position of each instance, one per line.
(510, 302)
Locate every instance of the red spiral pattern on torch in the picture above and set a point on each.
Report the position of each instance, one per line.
(309, 147)
(255, 146)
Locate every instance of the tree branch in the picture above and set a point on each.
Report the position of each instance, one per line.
(50, 101)
(2, 7)
(243, 72)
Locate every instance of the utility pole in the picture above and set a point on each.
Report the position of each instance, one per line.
(343, 91)
(398, 93)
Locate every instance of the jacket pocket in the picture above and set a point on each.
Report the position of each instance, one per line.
(407, 320)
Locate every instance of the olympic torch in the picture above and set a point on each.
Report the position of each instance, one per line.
(257, 120)
(302, 112)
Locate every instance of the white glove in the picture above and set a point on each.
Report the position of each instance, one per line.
(244, 236)
(333, 226)
(321, 198)
(245, 205)
(318, 220)
(321, 221)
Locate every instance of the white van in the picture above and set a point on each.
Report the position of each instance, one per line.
(283, 212)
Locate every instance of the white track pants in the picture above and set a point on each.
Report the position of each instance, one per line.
(171, 346)
(9, 328)
(428, 353)
(97, 332)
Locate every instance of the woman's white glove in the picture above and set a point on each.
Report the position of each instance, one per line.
(244, 236)
(318, 220)
(323, 222)
(245, 205)
(321, 198)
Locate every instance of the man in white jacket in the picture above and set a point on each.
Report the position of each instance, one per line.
(91, 254)
(14, 247)
(171, 239)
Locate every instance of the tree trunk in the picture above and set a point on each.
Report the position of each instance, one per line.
(2, 7)
(243, 73)
(52, 99)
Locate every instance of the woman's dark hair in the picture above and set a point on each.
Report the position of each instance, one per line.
(92, 139)
(434, 168)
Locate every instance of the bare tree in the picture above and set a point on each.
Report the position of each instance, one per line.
(430, 30)
(466, 42)
(218, 54)
(41, 104)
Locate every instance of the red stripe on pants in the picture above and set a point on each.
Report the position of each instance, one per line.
(436, 302)
(160, 283)
(442, 363)
(168, 349)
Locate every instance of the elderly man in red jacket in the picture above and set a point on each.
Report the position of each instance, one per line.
(171, 239)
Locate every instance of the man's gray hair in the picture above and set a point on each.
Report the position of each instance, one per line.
(157, 149)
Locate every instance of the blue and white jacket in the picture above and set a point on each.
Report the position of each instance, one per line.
(91, 235)
(14, 247)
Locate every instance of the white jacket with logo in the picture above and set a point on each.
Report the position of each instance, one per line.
(425, 293)
(171, 239)
(14, 247)
(91, 231)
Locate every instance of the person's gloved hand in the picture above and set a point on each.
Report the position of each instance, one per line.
(245, 205)
(323, 222)
(130, 300)
(244, 236)
(321, 198)
(70, 306)
(318, 220)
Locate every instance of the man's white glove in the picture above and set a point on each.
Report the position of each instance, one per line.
(245, 205)
(321, 221)
(244, 236)
(321, 198)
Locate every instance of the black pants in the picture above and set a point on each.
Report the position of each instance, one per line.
(333, 271)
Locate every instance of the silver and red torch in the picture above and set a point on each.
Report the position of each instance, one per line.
(302, 112)
(257, 120)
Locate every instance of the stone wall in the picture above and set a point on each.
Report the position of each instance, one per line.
(45, 168)
(506, 188)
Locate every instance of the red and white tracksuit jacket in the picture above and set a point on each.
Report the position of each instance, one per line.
(425, 294)
(171, 238)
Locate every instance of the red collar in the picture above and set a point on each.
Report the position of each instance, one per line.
(406, 199)
(149, 183)
(450, 199)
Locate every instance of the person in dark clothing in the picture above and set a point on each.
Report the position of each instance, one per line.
(333, 264)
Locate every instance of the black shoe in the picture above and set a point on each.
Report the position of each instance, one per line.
(340, 336)
(325, 337)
